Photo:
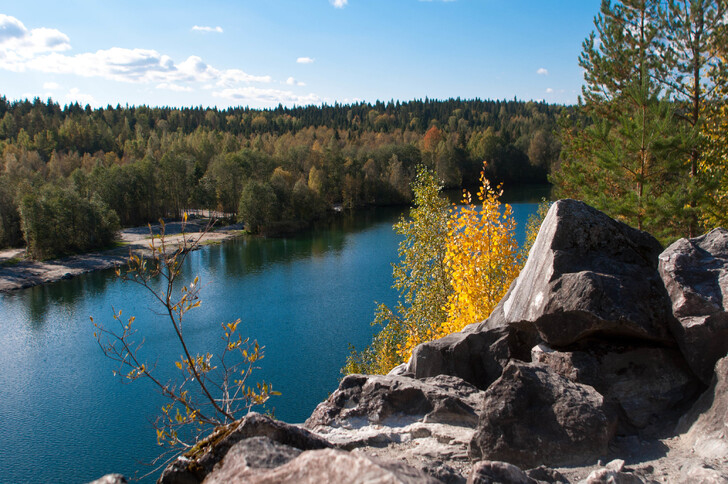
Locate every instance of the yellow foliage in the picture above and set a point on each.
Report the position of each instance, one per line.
(482, 258)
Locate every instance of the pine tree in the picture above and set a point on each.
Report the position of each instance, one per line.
(625, 161)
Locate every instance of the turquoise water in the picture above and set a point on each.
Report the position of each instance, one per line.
(66, 418)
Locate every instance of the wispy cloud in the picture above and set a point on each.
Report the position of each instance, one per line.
(549, 90)
(339, 3)
(305, 60)
(271, 97)
(291, 81)
(75, 95)
(202, 28)
(542, 71)
(168, 86)
(43, 49)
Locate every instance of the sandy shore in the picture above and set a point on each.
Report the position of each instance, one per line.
(18, 273)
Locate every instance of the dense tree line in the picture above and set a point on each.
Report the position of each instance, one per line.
(276, 169)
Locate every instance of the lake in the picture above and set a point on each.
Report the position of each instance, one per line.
(66, 418)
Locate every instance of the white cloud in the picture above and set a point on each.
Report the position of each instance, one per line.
(542, 71)
(50, 85)
(291, 81)
(75, 95)
(272, 97)
(17, 43)
(173, 87)
(339, 3)
(42, 50)
(549, 90)
(204, 28)
(233, 76)
(305, 60)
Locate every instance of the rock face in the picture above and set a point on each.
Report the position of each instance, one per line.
(322, 466)
(644, 385)
(588, 274)
(193, 469)
(706, 424)
(531, 416)
(695, 273)
(421, 422)
(478, 357)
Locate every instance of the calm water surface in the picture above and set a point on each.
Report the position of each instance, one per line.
(66, 418)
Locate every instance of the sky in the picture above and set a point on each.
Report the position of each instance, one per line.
(260, 53)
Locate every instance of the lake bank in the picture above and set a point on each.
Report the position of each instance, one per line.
(19, 273)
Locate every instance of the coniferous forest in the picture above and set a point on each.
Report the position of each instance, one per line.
(277, 170)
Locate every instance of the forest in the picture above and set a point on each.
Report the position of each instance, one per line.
(276, 170)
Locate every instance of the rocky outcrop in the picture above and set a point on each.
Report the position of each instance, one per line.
(644, 385)
(695, 273)
(706, 424)
(425, 423)
(582, 362)
(588, 274)
(531, 416)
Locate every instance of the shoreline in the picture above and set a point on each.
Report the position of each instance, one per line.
(29, 273)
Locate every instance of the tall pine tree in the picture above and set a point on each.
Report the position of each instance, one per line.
(624, 161)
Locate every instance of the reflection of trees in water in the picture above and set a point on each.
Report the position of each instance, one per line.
(63, 293)
(253, 254)
(234, 258)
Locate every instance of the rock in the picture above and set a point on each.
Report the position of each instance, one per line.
(476, 357)
(546, 474)
(532, 416)
(400, 370)
(648, 385)
(252, 453)
(110, 479)
(494, 472)
(192, 468)
(705, 426)
(612, 476)
(693, 472)
(329, 465)
(587, 274)
(379, 399)
(695, 273)
(427, 423)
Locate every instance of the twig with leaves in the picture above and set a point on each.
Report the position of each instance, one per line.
(210, 391)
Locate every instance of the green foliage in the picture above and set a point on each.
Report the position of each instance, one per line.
(646, 86)
(11, 234)
(421, 278)
(533, 226)
(257, 205)
(57, 221)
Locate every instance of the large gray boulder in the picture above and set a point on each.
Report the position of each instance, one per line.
(478, 357)
(533, 416)
(695, 273)
(705, 426)
(587, 274)
(648, 386)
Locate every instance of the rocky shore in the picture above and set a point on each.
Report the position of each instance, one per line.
(604, 363)
(19, 273)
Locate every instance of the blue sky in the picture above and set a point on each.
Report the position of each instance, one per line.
(264, 52)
